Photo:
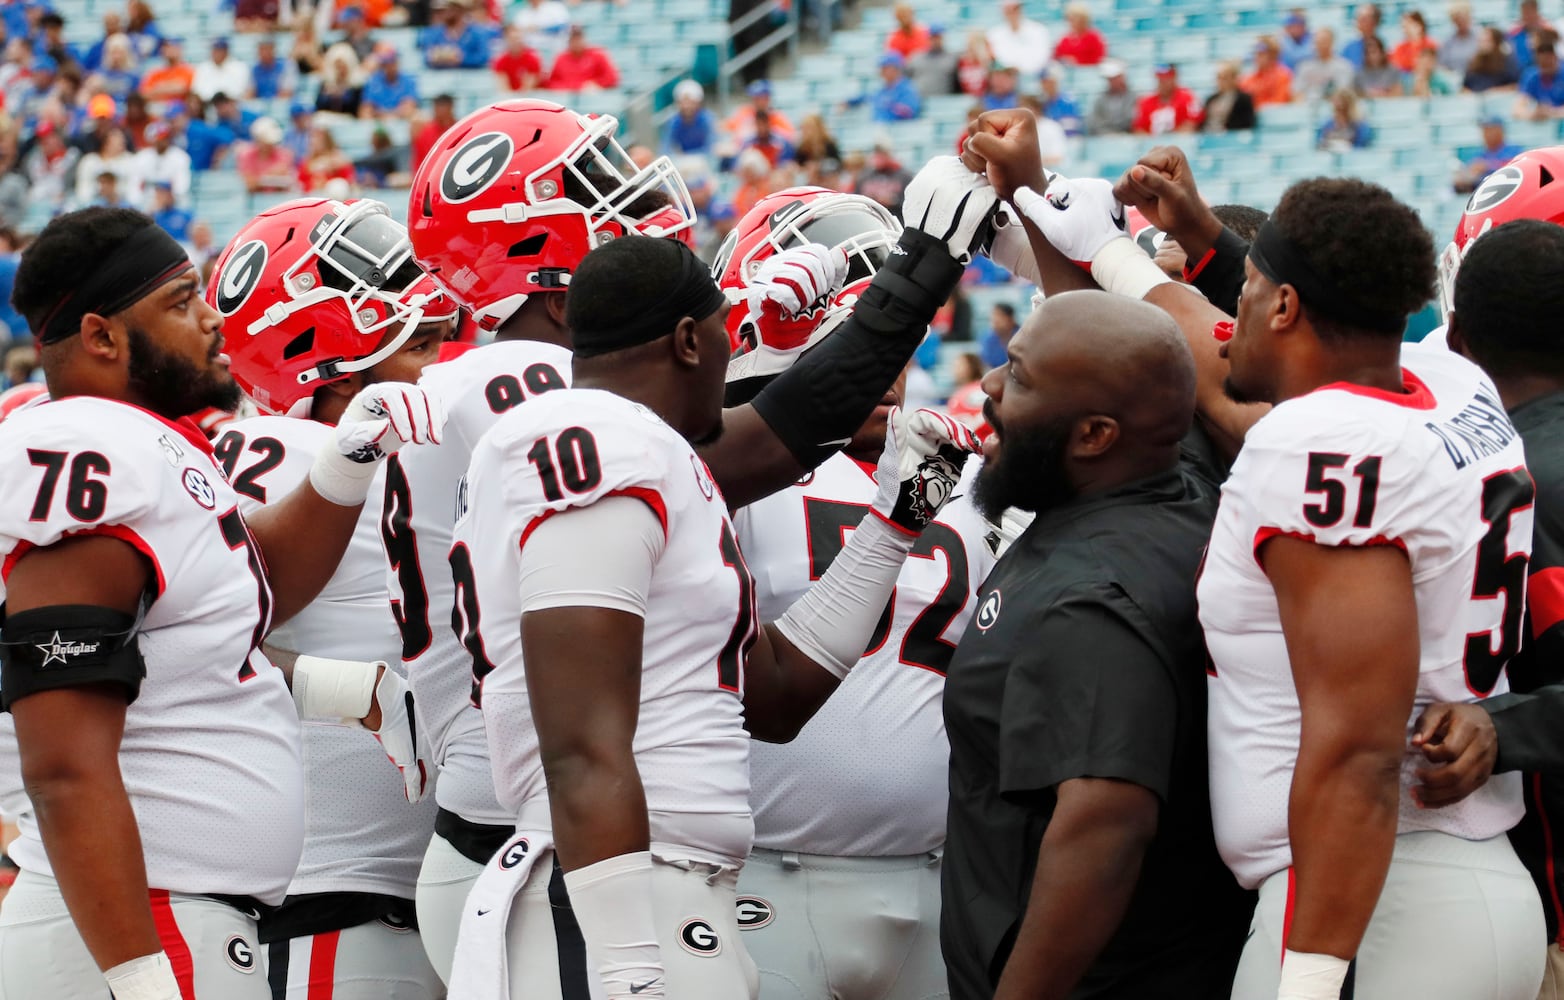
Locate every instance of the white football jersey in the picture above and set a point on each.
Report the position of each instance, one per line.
(868, 775)
(210, 756)
(570, 449)
(361, 834)
(419, 512)
(1439, 472)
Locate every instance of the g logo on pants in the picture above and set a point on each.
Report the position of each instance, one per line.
(753, 912)
(240, 955)
(698, 938)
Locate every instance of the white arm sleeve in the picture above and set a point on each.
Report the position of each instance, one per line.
(599, 556)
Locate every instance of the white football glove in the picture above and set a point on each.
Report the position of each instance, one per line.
(788, 297)
(1079, 217)
(1011, 248)
(952, 204)
(379, 420)
(398, 732)
(920, 466)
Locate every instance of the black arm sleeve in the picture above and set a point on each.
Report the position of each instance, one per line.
(1222, 276)
(67, 646)
(821, 401)
(1528, 727)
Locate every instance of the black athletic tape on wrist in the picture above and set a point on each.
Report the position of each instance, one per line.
(68, 645)
(1276, 257)
(1220, 276)
(147, 259)
(825, 397)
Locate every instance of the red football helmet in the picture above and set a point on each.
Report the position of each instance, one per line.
(860, 226)
(310, 290)
(514, 195)
(1531, 186)
(966, 405)
(18, 396)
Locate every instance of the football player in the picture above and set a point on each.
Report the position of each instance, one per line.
(840, 896)
(158, 745)
(502, 212)
(1369, 558)
(617, 711)
(309, 331)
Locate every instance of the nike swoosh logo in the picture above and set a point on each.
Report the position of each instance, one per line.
(1250, 934)
(643, 987)
(482, 913)
(844, 442)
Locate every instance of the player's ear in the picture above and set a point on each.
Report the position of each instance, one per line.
(1455, 339)
(1093, 436)
(1287, 310)
(554, 305)
(102, 337)
(686, 344)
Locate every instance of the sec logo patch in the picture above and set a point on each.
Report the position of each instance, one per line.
(987, 612)
(199, 488)
(698, 938)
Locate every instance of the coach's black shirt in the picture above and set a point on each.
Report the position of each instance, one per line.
(1529, 726)
(1085, 659)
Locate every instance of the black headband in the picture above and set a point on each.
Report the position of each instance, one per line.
(691, 292)
(1275, 256)
(149, 258)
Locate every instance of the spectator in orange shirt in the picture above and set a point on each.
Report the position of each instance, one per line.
(1271, 82)
(1414, 39)
(1082, 45)
(754, 172)
(582, 66)
(909, 37)
(170, 83)
(518, 67)
(1170, 108)
(741, 124)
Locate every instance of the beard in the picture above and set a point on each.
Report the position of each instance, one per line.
(1029, 473)
(1232, 390)
(173, 387)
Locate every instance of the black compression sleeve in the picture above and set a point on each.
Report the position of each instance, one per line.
(67, 646)
(822, 400)
(1222, 277)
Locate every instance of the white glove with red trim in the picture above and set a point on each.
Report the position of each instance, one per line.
(398, 732)
(788, 296)
(379, 421)
(924, 454)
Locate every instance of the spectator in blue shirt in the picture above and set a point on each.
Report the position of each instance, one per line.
(389, 93)
(774, 147)
(113, 25)
(1523, 35)
(454, 42)
(14, 14)
(898, 99)
(205, 141)
(296, 140)
(169, 216)
(1296, 40)
(233, 115)
(1367, 19)
(44, 74)
(1345, 130)
(693, 129)
(994, 347)
(1059, 106)
(1002, 90)
(1542, 88)
(270, 77)
(50, 41)
(117, 76)
(1495, 153)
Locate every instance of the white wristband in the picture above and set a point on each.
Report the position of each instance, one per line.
(150, 977)
(834, 620)
(334, 689)
(341, 480)
(612, 901)
(1122, 267)
(1307, 976)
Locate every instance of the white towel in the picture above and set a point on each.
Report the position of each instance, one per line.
(480, 970)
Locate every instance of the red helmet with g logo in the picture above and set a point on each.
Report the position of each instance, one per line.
(515, 194)
(792, 217)
(1531, 186)
(314, 290)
